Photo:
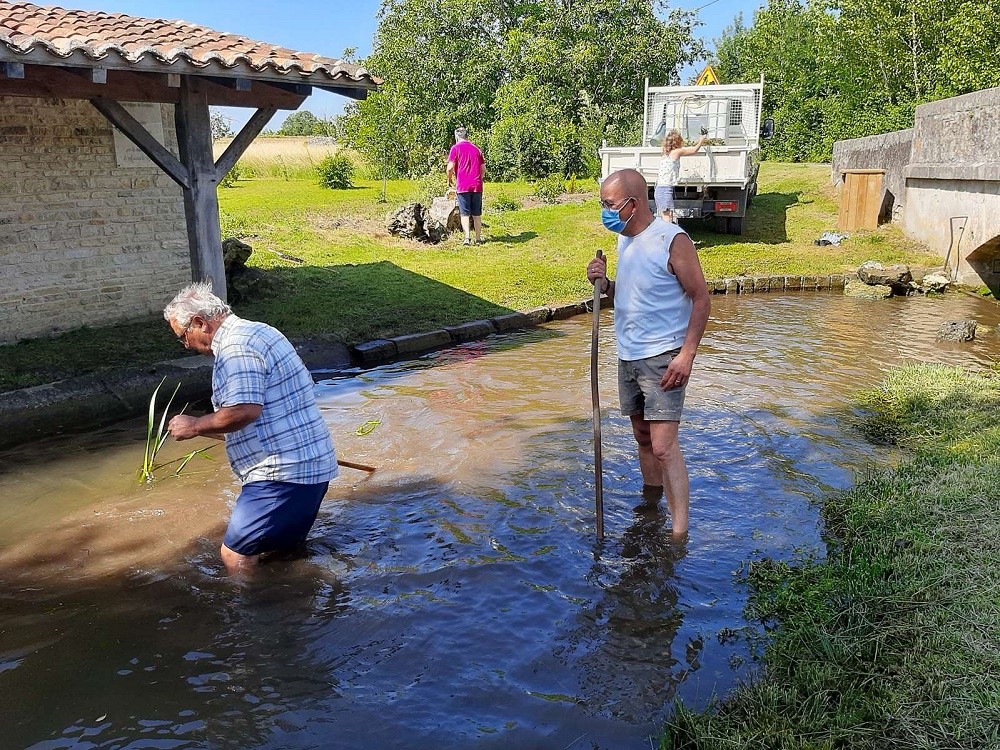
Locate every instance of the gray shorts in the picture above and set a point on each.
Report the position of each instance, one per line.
(640, 392)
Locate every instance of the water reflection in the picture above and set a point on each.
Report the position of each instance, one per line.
(455, 598)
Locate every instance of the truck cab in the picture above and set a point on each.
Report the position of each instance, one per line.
(719, 181)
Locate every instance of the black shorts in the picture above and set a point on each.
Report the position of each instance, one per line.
(470, 204)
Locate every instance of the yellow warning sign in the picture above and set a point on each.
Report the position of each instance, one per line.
(707, 77)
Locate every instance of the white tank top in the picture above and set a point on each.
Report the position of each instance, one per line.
(652, 310)
(669, 172)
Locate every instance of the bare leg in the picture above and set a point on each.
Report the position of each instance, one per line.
(652, 473)
(477, 222)
(667, 216)
(667, 451)
(236, 563)
(465, 226)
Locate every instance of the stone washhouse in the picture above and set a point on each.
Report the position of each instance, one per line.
(107, 177)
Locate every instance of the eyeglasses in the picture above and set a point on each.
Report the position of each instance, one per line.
(183, 335)
(613, 207)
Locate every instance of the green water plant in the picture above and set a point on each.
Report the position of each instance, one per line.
(156, 436)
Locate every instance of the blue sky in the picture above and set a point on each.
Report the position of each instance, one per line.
(329, 27)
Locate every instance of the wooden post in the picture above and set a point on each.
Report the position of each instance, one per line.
(201, 202)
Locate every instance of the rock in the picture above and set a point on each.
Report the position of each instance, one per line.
(896, 276)
(441, 218)
(407, 221)
(235, 254)
(861, 290)
(250, 283)
(934, 282)
(957, 330)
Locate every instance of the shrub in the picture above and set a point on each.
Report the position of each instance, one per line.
(504, 202)
(548, 189)
(232, 176)
(432, 185)
(336, 172)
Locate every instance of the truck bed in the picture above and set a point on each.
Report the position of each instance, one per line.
(724, 166)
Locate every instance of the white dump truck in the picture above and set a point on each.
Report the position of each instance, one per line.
(720, 180)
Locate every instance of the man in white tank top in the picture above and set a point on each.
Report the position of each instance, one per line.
(661, 310)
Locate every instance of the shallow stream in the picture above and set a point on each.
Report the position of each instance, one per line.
(456, 598)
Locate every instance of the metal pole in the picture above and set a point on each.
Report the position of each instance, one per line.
(596, 399)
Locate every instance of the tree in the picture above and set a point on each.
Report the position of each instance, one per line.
(302, 122)
(496, 65)
(221, 125)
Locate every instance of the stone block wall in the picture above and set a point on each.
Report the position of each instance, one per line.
(953, 184)
(888, 151)
(82, 241)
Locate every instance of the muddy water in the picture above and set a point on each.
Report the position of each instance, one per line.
(456, 598)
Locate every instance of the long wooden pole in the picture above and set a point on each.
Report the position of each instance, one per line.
(596, 399)
(352, 465)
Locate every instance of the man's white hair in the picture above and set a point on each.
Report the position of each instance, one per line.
(195, 299)
(461, 133)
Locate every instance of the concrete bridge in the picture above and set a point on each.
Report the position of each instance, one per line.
(942, 181)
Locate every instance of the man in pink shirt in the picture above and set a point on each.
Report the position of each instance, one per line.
(466, 171)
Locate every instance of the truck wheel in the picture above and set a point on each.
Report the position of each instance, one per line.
(722, 224)
(735, 225)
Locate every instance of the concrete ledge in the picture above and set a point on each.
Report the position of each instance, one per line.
(511, 322)
(413, 343)
(563, 312)
(96, 400)
(472, 331)
(978, 172)
(539, 315)
(375, 351)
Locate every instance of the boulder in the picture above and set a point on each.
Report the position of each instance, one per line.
(957, 330)
(441, 219)
(858, 288)
(934, 283)
(235, 254)
(896, 276)
(407, 221)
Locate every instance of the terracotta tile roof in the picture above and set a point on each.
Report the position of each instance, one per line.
(26, 27)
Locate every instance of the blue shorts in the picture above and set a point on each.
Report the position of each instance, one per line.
(663, 195)
(470, 204)
(273, 515)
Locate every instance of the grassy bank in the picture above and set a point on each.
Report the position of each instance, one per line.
(339, 273)
(892, 641)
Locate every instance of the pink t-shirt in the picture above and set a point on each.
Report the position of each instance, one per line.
(468, 167)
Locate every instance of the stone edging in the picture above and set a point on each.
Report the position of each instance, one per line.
(381, 351)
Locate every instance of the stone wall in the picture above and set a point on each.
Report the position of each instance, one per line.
(82, 241)
(889, 151)
(953, 184)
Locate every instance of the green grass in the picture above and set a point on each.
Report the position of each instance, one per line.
(891, 641)
(355, 282)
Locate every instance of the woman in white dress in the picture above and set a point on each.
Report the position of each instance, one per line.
(670, 169)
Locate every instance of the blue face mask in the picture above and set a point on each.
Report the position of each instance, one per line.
(611, 218)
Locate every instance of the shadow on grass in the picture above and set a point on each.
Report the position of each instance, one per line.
(766, 222)
(357, 303)
(513, 239)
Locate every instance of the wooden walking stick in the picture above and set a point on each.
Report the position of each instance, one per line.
(596, 399)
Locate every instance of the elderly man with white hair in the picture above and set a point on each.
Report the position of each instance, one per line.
(265, 409)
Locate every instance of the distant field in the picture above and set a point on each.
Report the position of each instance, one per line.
(285, 158)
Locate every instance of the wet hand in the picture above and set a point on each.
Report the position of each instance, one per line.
(182, 427)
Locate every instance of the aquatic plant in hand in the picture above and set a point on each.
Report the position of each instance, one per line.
(156, 436)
